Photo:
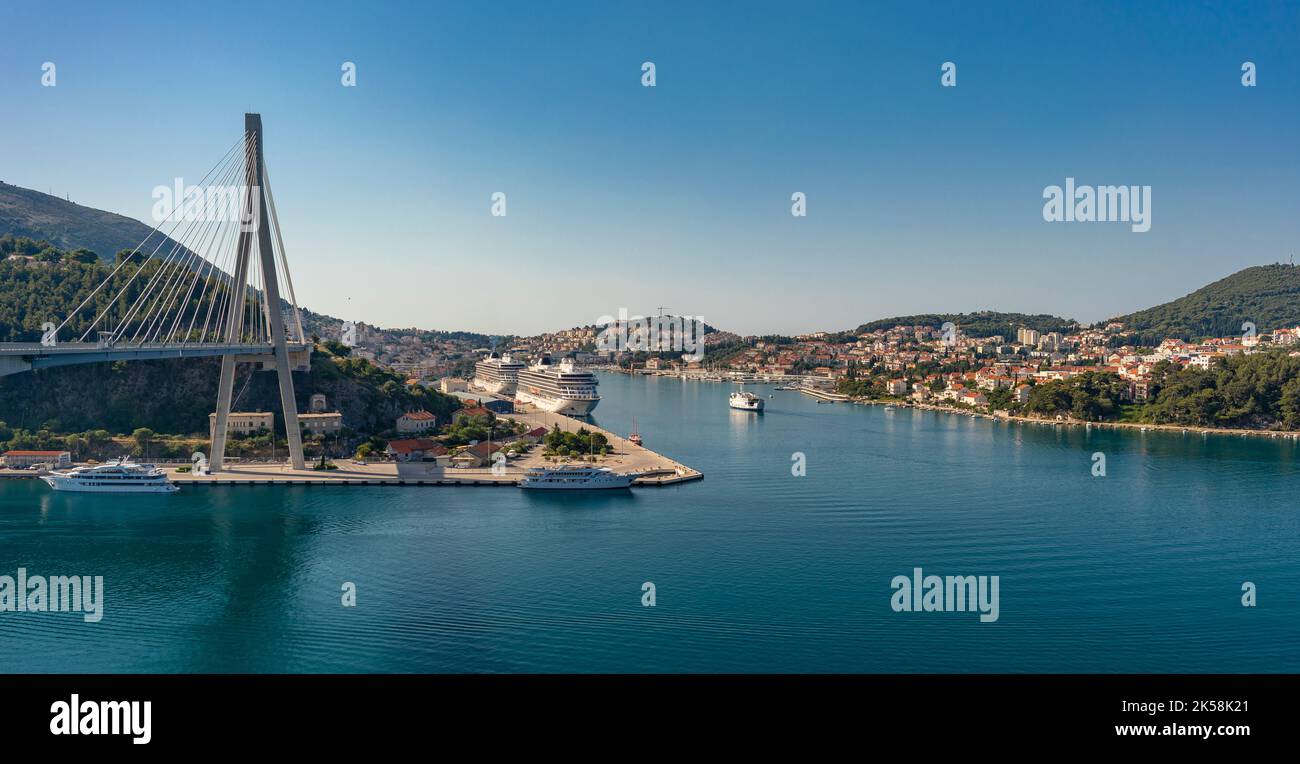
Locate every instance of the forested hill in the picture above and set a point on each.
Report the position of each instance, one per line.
(49, 285)
(69, 226)
(984, 323)
(173, 396)
(1266, 295)
(176, 396)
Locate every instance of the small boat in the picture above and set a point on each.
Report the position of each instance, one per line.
(574, 478)
(746, 401)
(634, 436)
(115, 477)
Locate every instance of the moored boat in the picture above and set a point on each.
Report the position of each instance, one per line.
(574, 477)
(560, 389)
(497, 374)
(115, 477)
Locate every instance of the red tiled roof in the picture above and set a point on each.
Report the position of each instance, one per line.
(484, 449)
(407, 445)
(419, 415)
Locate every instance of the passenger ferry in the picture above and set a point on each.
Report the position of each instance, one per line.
(561, 389)
(497, 374)
(574, 478)
(746, 401)
(115, 477)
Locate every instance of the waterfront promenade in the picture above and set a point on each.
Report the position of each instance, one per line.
(626, 457)
(655, 469)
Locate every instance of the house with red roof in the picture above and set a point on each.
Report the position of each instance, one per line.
(415, 449)
(417, 421)
(473, 412)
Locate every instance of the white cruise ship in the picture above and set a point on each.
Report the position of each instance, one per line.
(115, 477)
(497, 374)
(574, 478)
(746, 402)
(560, 389)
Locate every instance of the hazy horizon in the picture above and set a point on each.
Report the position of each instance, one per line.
(920, 198)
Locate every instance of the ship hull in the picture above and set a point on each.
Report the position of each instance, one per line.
(596, 482)
(592, 486)
(566, 406)
(73, 485)
(493, 387)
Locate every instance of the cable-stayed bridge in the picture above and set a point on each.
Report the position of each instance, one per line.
(210, 285)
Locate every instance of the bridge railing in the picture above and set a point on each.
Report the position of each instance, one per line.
(36, 348)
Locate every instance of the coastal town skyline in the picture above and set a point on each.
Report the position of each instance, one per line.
(918, 193)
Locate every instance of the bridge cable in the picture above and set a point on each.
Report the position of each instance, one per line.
(164, 274)
(207, 279)
(138, 247)
(156, 315)
(284, 258)
(131, 280)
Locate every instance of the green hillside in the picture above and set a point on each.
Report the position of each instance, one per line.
(172, 396)
(984, 323)
(68, 226)
(176, 396)
(1265, 295)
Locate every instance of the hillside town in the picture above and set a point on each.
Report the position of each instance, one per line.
(926, 364)
(919, 363)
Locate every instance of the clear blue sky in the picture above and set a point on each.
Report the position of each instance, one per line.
(920, 198)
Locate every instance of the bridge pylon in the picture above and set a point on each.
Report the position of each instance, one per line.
(258, 225)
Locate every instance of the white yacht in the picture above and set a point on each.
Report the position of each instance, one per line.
(115, 477)
(746, 401)
(574, 478)
(560, 389)
(498, 374)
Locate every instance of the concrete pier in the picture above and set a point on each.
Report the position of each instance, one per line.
(654, 468)
(658, 470)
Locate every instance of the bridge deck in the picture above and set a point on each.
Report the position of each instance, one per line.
(17, 357)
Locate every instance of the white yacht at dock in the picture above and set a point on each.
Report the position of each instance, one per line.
(115, 477)
(574, 478)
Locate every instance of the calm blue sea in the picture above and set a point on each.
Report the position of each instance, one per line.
(754, 569)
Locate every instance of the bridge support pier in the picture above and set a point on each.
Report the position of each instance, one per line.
(225, 389)
(261, 223)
